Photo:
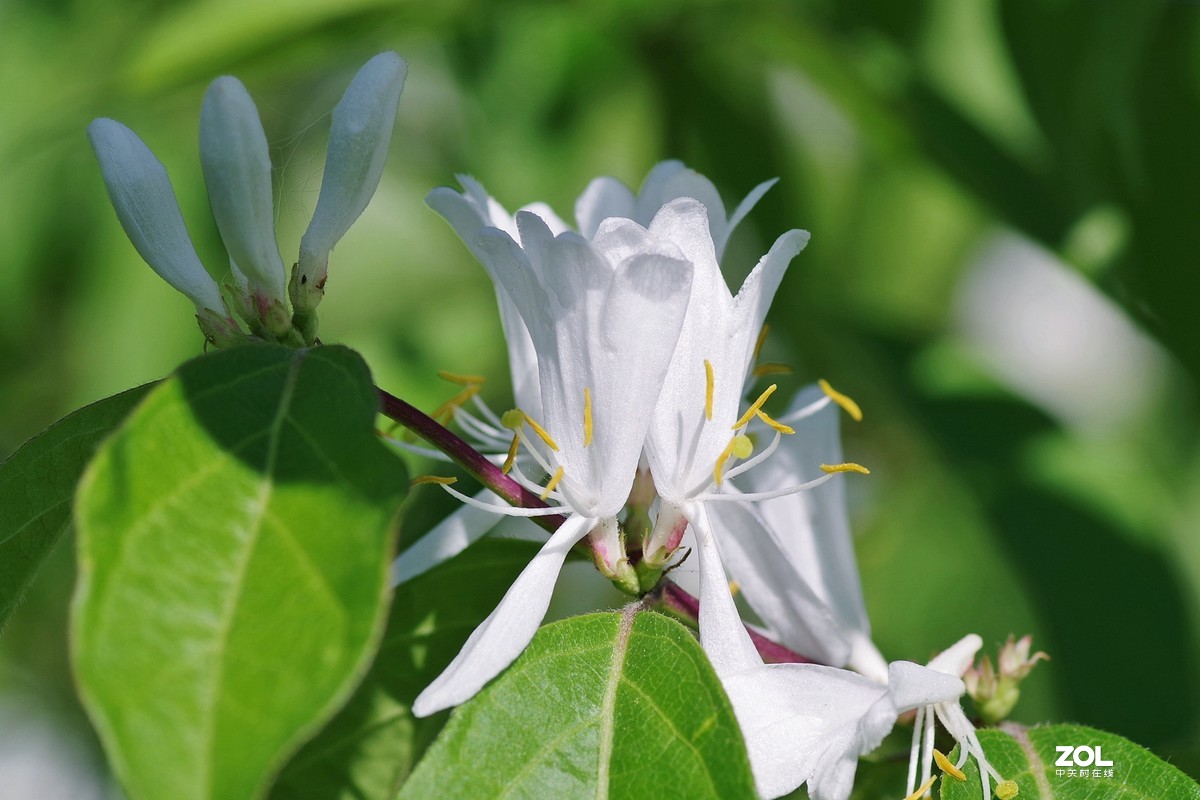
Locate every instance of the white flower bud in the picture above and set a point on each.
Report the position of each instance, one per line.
(141, 193)
(237, 170)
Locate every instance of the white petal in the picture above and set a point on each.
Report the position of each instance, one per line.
(237, 171)
(739, 213)
(722, 634)
(447, 539)
(547, 215)
(956, 658)
(913, 686)
(358, 143)
(141, 194)
(808, 723)
(603, 198)
(506, 632)
(758, 290)
(775, 590)
(813, 526)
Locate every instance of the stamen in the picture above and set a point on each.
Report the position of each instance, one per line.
(513, 420)
(923, 789)
(507, 511)
(776, 424)
(754, 407)
(512, 455)
(422, 480)
(587, 417)
(448, 408)
(734, 588)
(541, 432)
(771, 368)
(847, 404)
(455, 377)
(945, 766)
(758, 345)
(708, 389)
(739, 446)
(558, 476)
(849, 466)
(1007, 790)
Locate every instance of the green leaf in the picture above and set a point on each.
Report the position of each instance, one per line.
(36, 486)
(368, 749)
(612, 705)
(234, 540)
(1029, 756)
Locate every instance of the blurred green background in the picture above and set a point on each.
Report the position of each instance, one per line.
(1003, 198)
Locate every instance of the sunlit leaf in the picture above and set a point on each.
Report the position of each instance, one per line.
(234, 539)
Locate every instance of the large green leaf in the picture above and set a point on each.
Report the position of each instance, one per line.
(612, 705)
(234, 538)
(1030, 757)
(369, 747)
(36, 486)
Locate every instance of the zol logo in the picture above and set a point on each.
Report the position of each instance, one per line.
(1081, 756)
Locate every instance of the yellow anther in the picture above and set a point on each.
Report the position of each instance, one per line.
(754, 407)
(849, 466)
(734, 588)
(947, 767)
(786, 430)
(447, 409)
(758, 345)
(771, 368)
(848, 405)
(923, 789)
(455, 377)
(421, 480)
(558, 475)
(708, 389)
(1007, 790)
(512, 455)
(739, 447)
(587, 417)
(541, 432)
(513, 419)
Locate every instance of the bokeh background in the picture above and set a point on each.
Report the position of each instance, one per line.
(1003, 197)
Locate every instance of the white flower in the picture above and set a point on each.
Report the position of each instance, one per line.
(604, 324)
(809, 724)
(473, 210)
(793, 558)
(237, 171)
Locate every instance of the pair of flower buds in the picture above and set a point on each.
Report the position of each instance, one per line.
(236, 162)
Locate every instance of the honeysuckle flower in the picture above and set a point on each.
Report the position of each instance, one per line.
(792, 557)
(809, 724)
(237, 171)
(473, 210)
(603, 323)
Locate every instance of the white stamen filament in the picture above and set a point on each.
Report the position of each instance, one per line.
(507, 511)
(806, 411)
(755, 496)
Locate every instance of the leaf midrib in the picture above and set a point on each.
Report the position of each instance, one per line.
(226, 622)
(609, 704)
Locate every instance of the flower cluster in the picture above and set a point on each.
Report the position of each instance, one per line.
(237, 170)
(631, 365)
(636, 417)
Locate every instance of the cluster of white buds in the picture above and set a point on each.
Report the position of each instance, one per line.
(237, 170)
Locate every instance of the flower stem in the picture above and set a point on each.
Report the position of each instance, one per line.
(466, 457)
(667, 594)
